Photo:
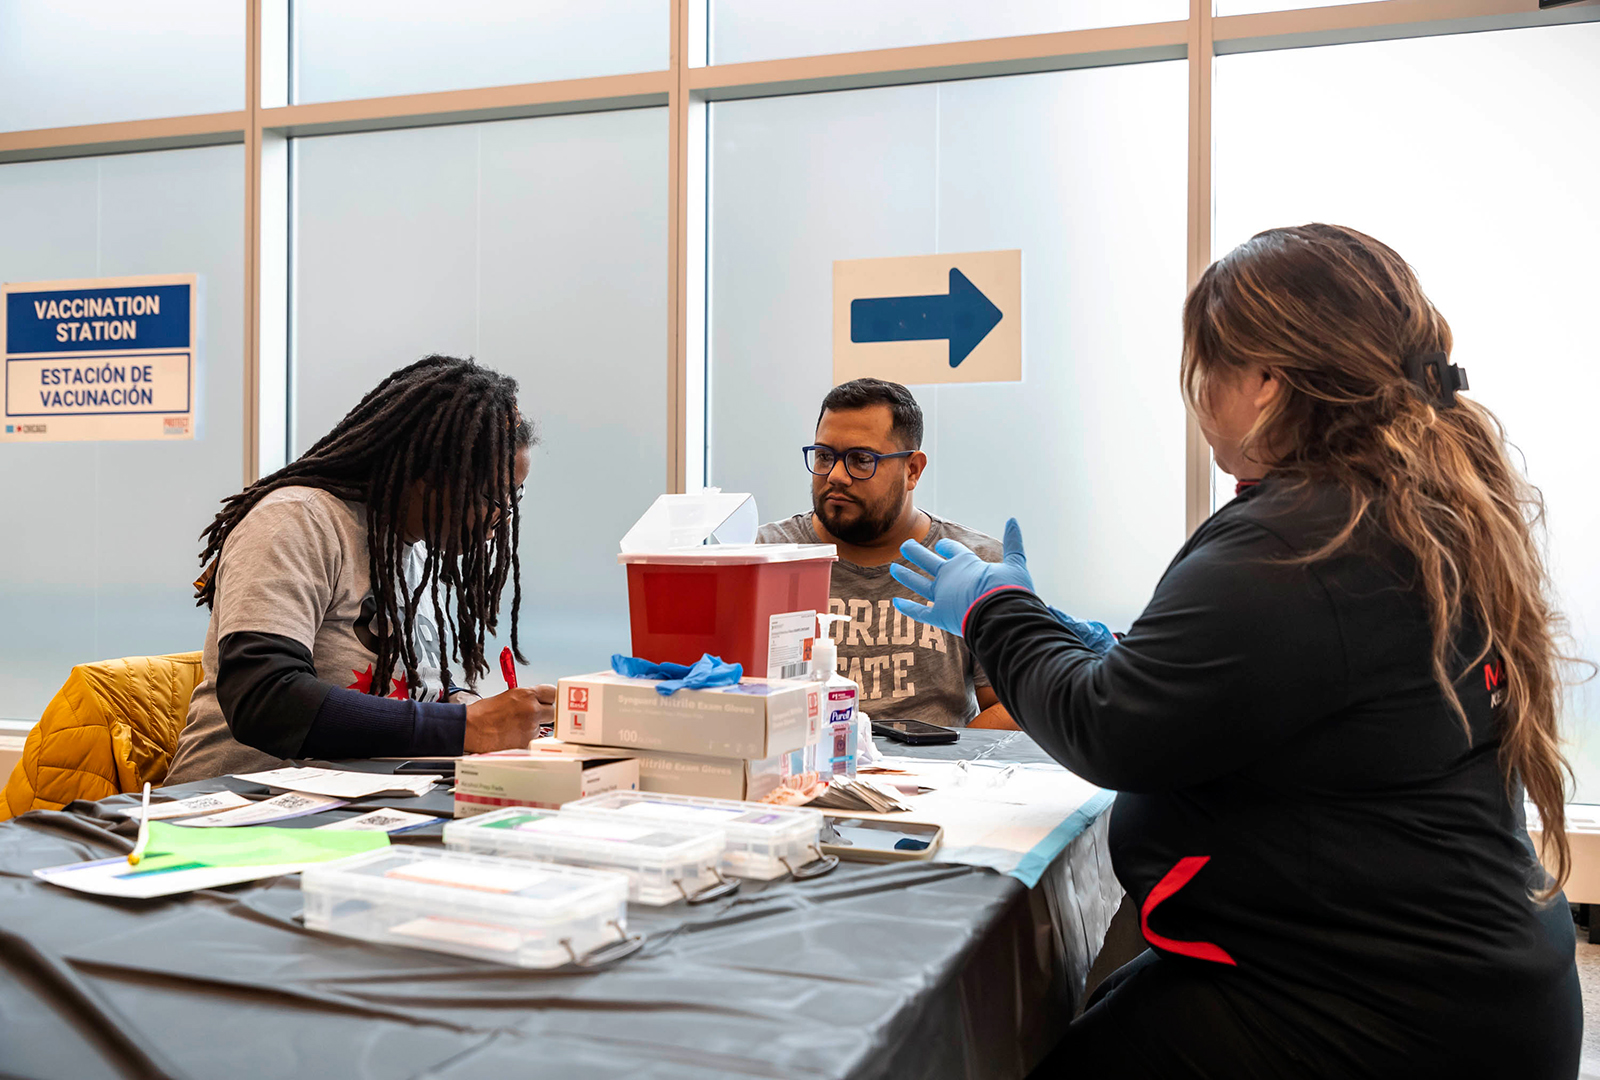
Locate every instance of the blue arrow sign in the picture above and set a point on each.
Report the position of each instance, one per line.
(964, 317)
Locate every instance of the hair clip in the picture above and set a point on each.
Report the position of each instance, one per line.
(1448, 378)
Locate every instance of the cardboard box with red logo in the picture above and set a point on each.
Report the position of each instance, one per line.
(546, 775)
(756, 719)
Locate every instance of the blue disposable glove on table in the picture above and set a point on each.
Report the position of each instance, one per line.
(708, 671)
(960, 579)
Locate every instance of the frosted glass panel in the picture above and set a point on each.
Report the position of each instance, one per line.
(1475, 157)
(100, 545)
(540, 247)
(767, 30)
(65, 62)
(1082, 170)
(373, 48)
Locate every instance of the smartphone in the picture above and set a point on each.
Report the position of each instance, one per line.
(425, 766)
(872, 840)
(915, 732)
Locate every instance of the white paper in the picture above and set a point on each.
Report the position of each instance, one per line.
(1035, 785)
(468, 875)
(291, 804)
(389, 821)
(195, 804)
(993, 813)
(339, 783)
(114, 877)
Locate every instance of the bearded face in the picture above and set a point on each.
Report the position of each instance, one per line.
(857, 510)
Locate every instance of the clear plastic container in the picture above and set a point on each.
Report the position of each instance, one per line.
(509, 911)
(664, 861)
(764, 842)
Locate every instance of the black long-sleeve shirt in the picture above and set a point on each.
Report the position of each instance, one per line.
(1299, 808)
(272, 700)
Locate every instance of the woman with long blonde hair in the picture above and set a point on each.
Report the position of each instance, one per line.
(1324, 725)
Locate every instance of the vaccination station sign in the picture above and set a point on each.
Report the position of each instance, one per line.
(107, 358)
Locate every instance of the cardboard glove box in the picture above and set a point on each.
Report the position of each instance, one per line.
(740, 779)
(756, 719)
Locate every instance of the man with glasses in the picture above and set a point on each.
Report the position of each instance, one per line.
(865, 462)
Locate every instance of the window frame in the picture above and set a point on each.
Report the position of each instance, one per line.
(269, 122)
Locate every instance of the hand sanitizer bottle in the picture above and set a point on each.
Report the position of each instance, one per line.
(839, 698)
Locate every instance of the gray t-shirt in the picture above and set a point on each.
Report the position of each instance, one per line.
(906, 669)
(297, 565)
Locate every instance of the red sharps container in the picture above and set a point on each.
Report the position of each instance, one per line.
(738, 600)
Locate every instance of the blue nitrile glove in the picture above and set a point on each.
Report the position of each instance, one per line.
(960, 578)
(708, 671)
(1094, 635)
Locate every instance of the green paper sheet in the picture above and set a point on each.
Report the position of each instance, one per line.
(173, 846)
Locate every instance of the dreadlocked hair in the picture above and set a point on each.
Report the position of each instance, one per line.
(1334, 314)
(454, 426)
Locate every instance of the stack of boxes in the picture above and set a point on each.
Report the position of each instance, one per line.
(733, 742)
(754, 605)
(614, 733)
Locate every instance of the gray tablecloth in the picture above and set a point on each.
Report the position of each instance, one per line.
(907, 970)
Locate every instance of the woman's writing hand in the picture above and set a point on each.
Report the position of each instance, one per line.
(508, 720)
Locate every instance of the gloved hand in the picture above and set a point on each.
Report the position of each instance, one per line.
(708, 671)
(1094, 635)
(960, 578)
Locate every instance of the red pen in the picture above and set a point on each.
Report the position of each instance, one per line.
(507, 668)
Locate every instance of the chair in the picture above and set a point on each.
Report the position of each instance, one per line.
(113, 725)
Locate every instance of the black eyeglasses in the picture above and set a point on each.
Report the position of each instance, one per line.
(516, 497)
(859, 462)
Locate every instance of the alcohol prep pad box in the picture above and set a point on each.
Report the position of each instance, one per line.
(755, 719)
(509, 911)
(664, 861)
(750, 779)
(764, 842)
(545, 775)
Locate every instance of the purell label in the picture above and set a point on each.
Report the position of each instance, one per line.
(842, 761)
(841, 704)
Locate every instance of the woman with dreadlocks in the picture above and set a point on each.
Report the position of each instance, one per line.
(1323, 726)
(342, 586)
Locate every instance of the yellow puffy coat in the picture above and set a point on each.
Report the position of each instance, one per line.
(112, 726)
